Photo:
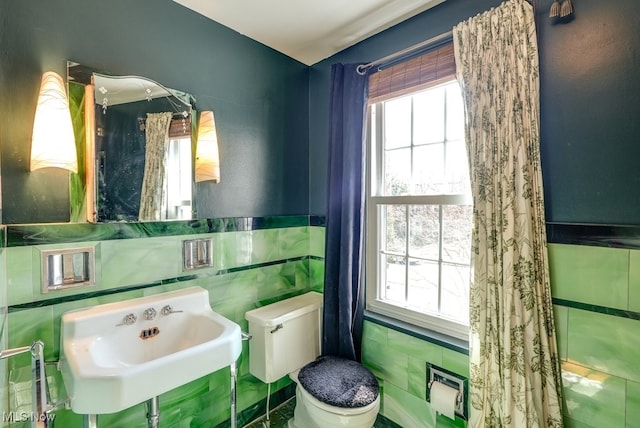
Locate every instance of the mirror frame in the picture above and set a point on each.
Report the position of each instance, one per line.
(84, 186)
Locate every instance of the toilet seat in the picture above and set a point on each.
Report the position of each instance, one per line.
(339, 382)
(342, 411)
(313, 413)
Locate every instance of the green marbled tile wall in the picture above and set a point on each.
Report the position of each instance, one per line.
(399, 360)
(256, 267)
(251, 269)
(595, 275)
(593, 398)
(140, 261)
(598, 350)
(19, 275)
(604, 342)
(316, 274)
(316, 241)
(293, 242)
(561, 318)
(3, 321)
(598, 331)
(633, 404)
(257, 246)
(634, 280)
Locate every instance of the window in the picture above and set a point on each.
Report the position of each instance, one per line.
(419, 210)
(178, 180)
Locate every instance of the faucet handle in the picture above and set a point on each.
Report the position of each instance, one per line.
(149, 313)
(168, 310)
(128, 319)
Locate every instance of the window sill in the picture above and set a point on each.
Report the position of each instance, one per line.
(440, 339)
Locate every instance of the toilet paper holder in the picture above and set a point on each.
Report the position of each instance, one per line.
(452, 380)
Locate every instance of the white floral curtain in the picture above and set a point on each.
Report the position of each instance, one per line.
(151, 198)
(515, 374)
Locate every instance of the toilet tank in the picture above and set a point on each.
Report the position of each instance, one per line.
(285, 336)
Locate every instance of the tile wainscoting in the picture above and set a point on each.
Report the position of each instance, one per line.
(256, 261)
(595, 292)
(595, 279)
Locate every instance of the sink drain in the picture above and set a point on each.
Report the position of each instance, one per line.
(148, 333)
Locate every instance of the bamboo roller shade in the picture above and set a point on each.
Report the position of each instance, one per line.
(180, 127)
(429, 69)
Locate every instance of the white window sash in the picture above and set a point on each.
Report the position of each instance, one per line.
(459, 199)
(420, 319)
(374, 301)
(374, 177)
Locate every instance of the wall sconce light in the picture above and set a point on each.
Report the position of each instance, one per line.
(563, 10)
(53, 143)
(207, 157)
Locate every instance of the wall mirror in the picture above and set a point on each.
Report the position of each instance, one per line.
(138, 148)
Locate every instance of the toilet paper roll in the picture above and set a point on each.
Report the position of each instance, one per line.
(443, 399)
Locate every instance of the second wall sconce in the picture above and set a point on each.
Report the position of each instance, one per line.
(53, 143)
(207, 156)
(563, 10)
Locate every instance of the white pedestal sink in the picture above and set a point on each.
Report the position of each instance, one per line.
(117, 355)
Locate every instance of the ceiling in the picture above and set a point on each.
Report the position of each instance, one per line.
(309, 31)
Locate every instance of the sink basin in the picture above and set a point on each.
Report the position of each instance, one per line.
(113, 357)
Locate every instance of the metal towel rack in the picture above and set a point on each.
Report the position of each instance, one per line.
(40, 417)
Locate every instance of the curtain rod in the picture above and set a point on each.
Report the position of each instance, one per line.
(362, 68)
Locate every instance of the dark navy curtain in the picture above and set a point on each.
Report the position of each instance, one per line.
(344, 253)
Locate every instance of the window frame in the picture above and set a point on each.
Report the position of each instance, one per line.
(373, 204)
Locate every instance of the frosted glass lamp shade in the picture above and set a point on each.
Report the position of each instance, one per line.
(53, 143)
(207, 157)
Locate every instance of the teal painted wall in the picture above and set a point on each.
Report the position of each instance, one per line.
(433, 22)
(259, 96)
(589, 104)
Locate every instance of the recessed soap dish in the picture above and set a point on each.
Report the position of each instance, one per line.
(197, 253)
(62, 269)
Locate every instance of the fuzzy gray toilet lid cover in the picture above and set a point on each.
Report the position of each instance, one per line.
(339, 382)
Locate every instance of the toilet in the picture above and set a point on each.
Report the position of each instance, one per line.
(330, 391)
